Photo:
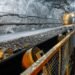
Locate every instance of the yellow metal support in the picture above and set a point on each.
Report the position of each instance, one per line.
(60, 60)
(67, 70)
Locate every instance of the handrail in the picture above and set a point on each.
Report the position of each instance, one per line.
(38, 65)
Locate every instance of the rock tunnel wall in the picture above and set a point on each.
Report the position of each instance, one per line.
(39, 8)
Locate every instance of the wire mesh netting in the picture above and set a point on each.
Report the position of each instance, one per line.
(63, 62)
(51, 68)
(58, 63)
(54, 63)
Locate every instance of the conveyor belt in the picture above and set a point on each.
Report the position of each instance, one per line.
(32, 38)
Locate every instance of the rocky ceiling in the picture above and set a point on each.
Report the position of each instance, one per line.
(41, 8)
(61, 4)
(20, 8)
